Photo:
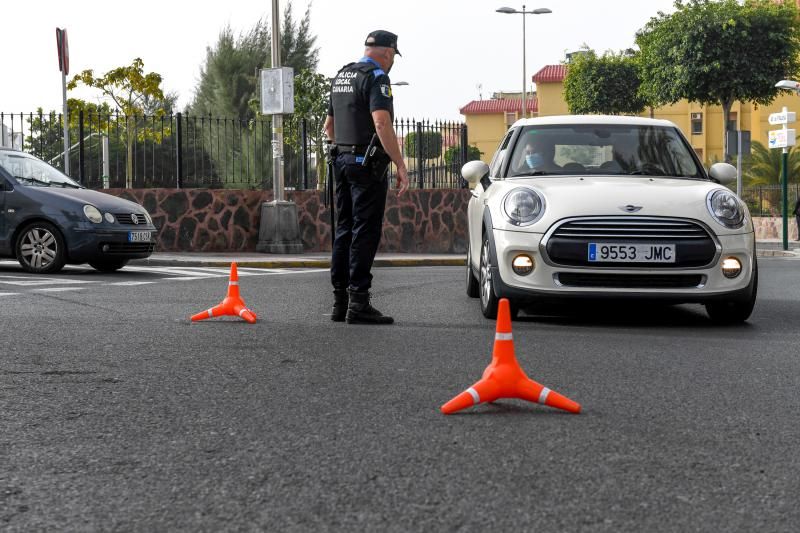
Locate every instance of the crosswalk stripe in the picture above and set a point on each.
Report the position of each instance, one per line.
(59, 289)
(9, 293)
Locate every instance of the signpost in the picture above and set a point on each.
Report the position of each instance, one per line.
(783, 138)
(63, 66)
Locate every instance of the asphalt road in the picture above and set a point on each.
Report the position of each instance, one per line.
(119, 414)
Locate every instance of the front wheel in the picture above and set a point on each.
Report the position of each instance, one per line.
(488, 299)
(734, 312)
(40, 248)
(108, 265)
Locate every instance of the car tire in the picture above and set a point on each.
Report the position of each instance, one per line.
(473, 287)
(734, 312)
(108, 265)
(487, 297)
(40, 248)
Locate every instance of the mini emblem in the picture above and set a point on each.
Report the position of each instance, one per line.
(630, 208)
(134, 218)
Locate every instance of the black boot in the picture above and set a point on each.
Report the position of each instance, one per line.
(340, 301)
(361, 312)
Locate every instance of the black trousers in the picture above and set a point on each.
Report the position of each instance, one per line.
(360, 204)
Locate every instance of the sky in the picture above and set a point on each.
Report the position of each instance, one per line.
(454, 51)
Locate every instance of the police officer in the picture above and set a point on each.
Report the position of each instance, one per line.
(361, 111)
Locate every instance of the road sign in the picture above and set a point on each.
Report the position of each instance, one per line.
(781, 138)
(782, 118)
(733, 142)
(63, 50)
(277, 91)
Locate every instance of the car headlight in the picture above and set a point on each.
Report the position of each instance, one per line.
(725, 208)
(93, 214)
(523, 206)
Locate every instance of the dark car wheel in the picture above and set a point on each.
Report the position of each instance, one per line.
(108, 265)
(734, 312)
(40, 248)
(488, 299)
(473, 288)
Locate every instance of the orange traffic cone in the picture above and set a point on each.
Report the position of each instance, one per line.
(504, 378)
(232, 304)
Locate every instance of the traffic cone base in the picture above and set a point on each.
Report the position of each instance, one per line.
(232, 305)
(504, 378)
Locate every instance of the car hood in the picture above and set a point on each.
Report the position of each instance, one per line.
(102, 201)
(611, 196)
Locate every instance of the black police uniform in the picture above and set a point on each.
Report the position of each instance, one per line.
(357, 90)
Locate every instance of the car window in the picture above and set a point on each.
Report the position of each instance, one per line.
(32, 172)
(610, 150)
(499, 155)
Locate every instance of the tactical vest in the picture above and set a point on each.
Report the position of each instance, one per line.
(353, 124)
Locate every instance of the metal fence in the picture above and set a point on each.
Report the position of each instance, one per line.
(767, 200)
(181, 150)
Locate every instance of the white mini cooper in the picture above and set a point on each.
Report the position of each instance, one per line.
(607, 207)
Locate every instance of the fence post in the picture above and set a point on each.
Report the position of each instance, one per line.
(179, 150)
(81, 167)
(304, 154)
(464, 156)
(420, 169)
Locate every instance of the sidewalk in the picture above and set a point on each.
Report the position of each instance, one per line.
(767, 248)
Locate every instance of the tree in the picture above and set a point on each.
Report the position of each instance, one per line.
(229, 86)
(608, 84)
(452, 156)
(135, 94)
(310, 104)
(430, 143)
(765, 165)
(719, 52)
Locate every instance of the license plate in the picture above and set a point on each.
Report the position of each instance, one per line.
(631, 253)
(138, 236)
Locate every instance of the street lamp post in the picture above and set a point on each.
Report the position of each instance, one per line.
(512, 11)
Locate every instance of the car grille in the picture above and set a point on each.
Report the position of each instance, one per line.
(567, 243)
(127, 218)
(629, 281)
(128, 247)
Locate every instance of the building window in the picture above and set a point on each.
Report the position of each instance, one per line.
(697, 123)
(732, 121)
(511, 118)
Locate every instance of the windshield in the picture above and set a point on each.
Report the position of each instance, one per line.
(605, 150)
(28, 170)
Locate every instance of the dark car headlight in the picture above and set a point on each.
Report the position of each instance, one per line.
(93, 214)
(523, 206)
(725, 208)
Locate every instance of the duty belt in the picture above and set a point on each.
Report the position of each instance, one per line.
(352, 148)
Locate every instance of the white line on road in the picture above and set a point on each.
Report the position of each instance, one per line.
(60, 289)
(9, 293)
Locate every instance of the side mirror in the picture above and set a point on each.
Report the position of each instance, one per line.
(724, 173)
(474, 172)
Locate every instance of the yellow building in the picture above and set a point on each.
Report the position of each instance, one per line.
(487, 120)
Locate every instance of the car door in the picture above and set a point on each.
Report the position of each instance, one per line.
(4, 245)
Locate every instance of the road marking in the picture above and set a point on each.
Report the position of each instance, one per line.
(60, 289)
(30, 281)
(132, 283)
(9, 293)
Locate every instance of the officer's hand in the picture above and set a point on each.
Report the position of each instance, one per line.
(402, 180)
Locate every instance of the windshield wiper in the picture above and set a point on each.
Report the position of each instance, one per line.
(62, 184)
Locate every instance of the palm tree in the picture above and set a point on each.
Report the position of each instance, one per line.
(765, 165)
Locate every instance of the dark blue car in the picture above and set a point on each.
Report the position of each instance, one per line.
(48, 220)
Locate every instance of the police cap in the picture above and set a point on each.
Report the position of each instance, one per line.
(382, 38)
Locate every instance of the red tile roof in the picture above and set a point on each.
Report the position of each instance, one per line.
(550, 73)
(501, 105)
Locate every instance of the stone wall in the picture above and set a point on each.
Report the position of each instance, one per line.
(770, 228)
(220, 220)
(420, 221)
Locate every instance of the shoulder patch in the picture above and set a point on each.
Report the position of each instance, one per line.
(386, 91)
(378, 72)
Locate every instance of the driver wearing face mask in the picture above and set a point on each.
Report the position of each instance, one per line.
(539, 155)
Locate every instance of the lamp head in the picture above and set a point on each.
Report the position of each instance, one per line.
(789, 85)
